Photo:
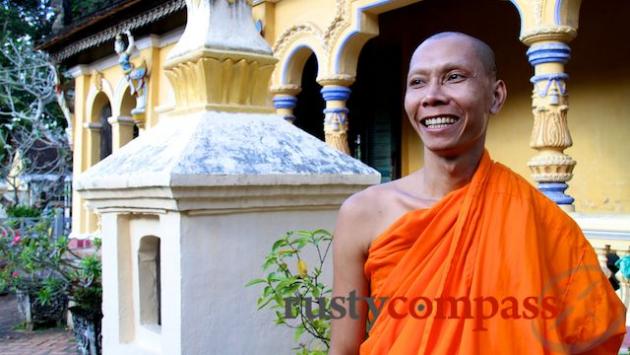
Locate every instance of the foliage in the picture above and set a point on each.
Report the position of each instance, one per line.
(23, 251)
(302, 284)
(32, 127)
(22, 211)
(38, 263)
(32, 18)
(84, 8)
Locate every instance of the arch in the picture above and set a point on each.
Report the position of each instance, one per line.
(361, 24)
(128, 102)
(521, 15)
(123, 101)
(93, 95)
(291, 65)
(100, 101)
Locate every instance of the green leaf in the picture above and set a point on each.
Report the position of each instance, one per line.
(278, 244)
(267, 291)
(264, 302)
(255, 282)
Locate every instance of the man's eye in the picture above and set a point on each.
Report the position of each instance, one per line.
(454, 77)
(416, 82)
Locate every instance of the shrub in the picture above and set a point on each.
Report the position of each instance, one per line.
(22, 211)
(303, 284)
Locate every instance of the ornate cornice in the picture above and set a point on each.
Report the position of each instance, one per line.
(327, 37)
(108, 34)
(287, 36)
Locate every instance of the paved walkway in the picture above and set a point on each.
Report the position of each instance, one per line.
(49, 341)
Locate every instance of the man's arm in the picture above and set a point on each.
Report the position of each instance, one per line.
(350, 242)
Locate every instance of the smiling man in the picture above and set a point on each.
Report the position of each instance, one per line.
(465, 256)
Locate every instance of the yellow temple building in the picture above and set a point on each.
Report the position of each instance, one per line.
(340, 76)
(350, 58)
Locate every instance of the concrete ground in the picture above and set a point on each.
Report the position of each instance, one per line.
(55, 341)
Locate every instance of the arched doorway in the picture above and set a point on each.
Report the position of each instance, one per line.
(106, 131)
(388, 142)
(128, 104)
(310, 106)
(376, 108)
(101, 141)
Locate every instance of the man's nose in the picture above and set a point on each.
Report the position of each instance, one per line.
(434, 95)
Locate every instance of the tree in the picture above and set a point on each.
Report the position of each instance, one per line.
(32, 137)
(26, 18)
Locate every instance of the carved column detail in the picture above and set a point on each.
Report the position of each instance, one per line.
(336, 117)
(551, 168)
(285, 100)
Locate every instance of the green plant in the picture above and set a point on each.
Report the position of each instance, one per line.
(22, 211)
(22, 251)
(41, 292)
(289, 277)
(38, 264)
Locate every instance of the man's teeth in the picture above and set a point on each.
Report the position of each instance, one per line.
(439, 122)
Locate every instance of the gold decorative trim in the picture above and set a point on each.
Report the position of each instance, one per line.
(337, 80)
(557, 33)
(216, 80)
(97, 80)
(288, 89)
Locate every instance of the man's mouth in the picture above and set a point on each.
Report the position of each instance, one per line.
(439, 121)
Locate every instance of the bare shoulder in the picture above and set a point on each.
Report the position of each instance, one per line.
(366, 214)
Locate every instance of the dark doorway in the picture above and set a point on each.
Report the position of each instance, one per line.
(309, 111)
(376, 108)
(106, 132)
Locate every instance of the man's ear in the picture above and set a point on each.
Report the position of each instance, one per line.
(499, 95)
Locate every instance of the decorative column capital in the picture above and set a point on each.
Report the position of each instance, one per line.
(548, 52)
(336, 80)
(288, 90)
(284, 105)
(121, 120)
(93, 126)
(336, 93)
(563, 34)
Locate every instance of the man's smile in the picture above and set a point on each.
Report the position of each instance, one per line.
(440, 121)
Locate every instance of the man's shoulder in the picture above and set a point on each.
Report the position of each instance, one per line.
(368, 201)
(366, 213)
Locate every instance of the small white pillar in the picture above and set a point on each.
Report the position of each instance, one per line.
(217, 181)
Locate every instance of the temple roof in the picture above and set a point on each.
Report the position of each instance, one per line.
(90, 36)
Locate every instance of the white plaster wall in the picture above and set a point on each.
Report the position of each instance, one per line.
(220, 254)
(206, 260)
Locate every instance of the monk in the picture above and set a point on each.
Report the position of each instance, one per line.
(464, 256)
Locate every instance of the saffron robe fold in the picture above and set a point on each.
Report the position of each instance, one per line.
(495, 237)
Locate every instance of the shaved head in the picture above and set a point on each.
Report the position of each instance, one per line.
(484, 52)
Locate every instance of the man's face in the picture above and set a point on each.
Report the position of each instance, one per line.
(450, 95)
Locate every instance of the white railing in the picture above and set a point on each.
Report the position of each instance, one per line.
(609, 233)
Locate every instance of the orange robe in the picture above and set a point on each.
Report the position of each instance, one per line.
(497, 237)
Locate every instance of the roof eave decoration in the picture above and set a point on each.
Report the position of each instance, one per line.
(110, 33)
